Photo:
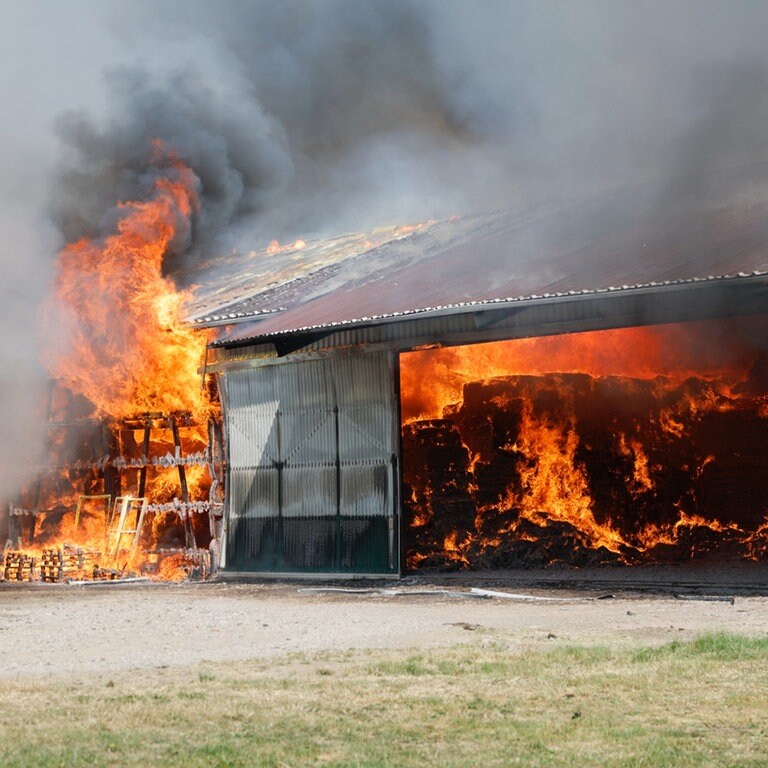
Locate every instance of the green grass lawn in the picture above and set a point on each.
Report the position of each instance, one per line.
(682, 704)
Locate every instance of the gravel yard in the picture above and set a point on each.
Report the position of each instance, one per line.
(67, 630)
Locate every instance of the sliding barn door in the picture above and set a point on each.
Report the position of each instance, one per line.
(311, 466)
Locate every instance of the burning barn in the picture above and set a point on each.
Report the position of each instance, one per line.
(569, 383)
(575, 385)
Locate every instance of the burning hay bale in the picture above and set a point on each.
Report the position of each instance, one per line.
(437, 492)
(531, 471)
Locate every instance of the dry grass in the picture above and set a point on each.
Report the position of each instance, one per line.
(682, 704)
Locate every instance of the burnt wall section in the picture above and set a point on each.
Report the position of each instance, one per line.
(529, 471)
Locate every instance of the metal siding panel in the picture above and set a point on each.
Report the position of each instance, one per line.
(253, 492)
(251, 418)
(309, 437)
(366, 545)
(255, 545)
(253, 438)
(305, 386)
(309, 545)
(365, 434)
(366, 490)
(306, 405)
(361, 379)
(250, 542)
(310, 465)
(365, 407)
(309, 491)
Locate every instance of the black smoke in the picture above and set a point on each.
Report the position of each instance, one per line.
(306, 118)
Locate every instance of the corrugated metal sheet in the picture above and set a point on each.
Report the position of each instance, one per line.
(310, 458)
(608, 243)
(674, 302)
(253, 440)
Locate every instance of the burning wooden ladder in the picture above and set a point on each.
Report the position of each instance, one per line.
(117, 522)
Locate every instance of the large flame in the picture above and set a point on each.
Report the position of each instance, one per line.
(627, 445)
(129, 416)
(125, 347)
(433, 378)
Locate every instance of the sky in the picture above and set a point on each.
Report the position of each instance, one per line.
(314, 117)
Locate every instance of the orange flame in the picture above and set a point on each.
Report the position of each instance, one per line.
(115, 337)
(435, 377)
(547, 437)
(127, 350)
(275, 247)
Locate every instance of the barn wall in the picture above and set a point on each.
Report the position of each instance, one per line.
(312, 472)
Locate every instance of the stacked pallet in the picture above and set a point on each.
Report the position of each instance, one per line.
(68, 563)
(18, 566)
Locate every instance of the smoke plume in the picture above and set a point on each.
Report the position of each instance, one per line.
(307, 118)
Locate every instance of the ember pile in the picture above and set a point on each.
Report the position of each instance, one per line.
(588, 469)
(131, 474)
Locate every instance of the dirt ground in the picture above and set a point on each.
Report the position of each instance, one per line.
(70, 630)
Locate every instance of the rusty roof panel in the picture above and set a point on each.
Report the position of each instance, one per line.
(607, 243)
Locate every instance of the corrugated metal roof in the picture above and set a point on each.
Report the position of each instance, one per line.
(609, 243)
